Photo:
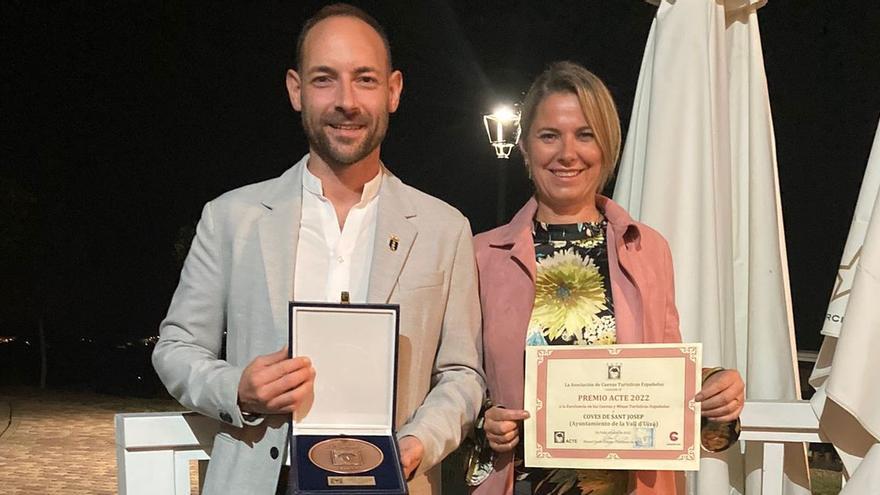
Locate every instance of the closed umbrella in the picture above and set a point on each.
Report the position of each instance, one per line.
(699, 165)
(846, 376)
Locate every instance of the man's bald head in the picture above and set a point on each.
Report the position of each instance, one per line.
(340, 10)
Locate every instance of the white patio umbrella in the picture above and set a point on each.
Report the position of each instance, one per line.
(699, 165)
(846, 382)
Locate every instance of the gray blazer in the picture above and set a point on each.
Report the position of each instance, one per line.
(238, 278)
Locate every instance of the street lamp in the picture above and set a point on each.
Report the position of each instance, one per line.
(502, 128)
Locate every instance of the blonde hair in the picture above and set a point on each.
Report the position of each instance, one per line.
(596, 103)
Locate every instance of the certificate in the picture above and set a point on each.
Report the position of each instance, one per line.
(613, 407)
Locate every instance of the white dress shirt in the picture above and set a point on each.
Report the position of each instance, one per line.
(330, 260)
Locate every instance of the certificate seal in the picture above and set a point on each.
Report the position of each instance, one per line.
(346, 455)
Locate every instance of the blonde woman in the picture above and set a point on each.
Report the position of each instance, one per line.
(573, 268)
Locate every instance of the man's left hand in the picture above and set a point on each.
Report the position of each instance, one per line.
(723, 396)
(411, 451)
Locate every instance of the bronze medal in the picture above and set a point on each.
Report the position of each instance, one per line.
(346, 455)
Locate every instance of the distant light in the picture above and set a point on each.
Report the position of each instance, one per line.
(7, 340)
(149, 340)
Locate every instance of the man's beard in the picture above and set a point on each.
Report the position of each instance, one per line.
(336, 155)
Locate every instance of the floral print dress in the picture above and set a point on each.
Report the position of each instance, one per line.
(573, 306)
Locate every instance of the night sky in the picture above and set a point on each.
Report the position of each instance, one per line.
(119, 120)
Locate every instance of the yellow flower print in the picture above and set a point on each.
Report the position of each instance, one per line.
(569, 293)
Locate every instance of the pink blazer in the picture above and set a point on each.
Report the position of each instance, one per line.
(644, 308)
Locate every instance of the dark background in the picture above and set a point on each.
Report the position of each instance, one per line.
(119, 120)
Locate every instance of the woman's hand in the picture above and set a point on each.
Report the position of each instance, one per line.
(723, 396)
(502, 427)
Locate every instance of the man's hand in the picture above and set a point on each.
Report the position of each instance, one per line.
(411, 452)
(502, 427)
(723, 396)
(274, 384)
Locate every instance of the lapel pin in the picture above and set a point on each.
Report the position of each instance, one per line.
(393, 242)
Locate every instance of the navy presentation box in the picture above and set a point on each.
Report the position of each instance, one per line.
(353, 348)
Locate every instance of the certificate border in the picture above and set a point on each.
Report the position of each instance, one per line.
(685, 458)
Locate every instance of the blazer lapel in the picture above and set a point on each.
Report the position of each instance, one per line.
(395, 234)
(626, 294)
(513, 275)
(278, 231)
(517, 236)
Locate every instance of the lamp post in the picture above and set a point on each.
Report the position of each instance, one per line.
(502, 129)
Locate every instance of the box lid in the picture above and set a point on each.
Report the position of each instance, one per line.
(353, 348)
